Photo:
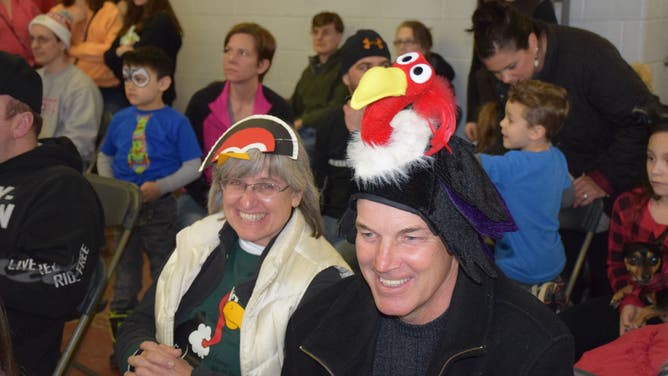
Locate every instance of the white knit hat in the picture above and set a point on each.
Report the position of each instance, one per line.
(58, 22)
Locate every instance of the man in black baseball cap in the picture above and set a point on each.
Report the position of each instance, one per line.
(20, 81)
(361, 51)
(20, 99)
(51, 224)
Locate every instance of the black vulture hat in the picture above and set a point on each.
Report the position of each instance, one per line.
(446, 186)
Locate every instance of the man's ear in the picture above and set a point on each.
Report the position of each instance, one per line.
(164, 83)
(536, 132)
(23, 124)
(346, 80)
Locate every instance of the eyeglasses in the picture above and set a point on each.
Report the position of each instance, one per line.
(138, 76)
(264, 190)
(400, 42)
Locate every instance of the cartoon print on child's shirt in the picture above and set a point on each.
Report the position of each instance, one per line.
(230, 314)
(138, 156)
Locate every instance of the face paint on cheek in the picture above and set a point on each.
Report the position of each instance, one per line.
(138, 76)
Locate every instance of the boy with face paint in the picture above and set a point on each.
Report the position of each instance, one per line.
(152, 145)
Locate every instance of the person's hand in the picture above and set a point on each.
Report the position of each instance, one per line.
(352, 117)
(626, 317)
(157, 359)
(471, 131)
(298, 123)
(150, 191)
(586, 191)
(124, 48)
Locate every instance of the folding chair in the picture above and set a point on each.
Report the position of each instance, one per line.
(583, 219)
(121, 202)
(101, 132)
(87, 310)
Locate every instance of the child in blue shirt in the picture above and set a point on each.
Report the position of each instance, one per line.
(152, 145)
(531, 178)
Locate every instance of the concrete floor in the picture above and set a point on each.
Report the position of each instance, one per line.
(95, 349)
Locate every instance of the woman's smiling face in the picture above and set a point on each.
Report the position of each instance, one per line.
(257, 218)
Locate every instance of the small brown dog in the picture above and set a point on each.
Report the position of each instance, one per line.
(643, 262)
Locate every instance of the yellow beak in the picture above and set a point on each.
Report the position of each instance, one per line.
(223, 157)
(378, 83)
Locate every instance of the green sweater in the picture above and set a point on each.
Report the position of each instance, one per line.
(318, 91)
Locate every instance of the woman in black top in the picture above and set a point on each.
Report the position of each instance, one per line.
(478, 87)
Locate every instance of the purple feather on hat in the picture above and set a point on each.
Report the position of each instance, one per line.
(482, 223)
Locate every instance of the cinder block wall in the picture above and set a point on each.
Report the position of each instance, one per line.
(639, 28)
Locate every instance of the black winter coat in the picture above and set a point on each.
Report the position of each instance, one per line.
(493, 328)
(51, 231)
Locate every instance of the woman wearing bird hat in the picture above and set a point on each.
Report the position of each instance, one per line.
(429, 300)
(224, 297)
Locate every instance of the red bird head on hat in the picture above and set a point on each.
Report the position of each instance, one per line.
(265, 133)
(410, 113)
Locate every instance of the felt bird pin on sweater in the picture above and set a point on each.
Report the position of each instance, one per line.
(410, 115)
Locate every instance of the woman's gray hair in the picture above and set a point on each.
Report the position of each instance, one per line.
(296, 173)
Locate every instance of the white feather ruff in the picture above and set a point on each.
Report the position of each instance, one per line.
(391, 163)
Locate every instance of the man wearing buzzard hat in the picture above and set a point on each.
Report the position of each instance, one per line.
(430, 301)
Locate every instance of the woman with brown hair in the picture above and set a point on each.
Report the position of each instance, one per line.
(147, 23)
(247, 54)
(602, 139)
(480, 83)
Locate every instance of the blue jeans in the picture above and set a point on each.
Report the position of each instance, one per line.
(188, 211)
(154, 233)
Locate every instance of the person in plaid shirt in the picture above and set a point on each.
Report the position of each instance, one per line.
(639, 215)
